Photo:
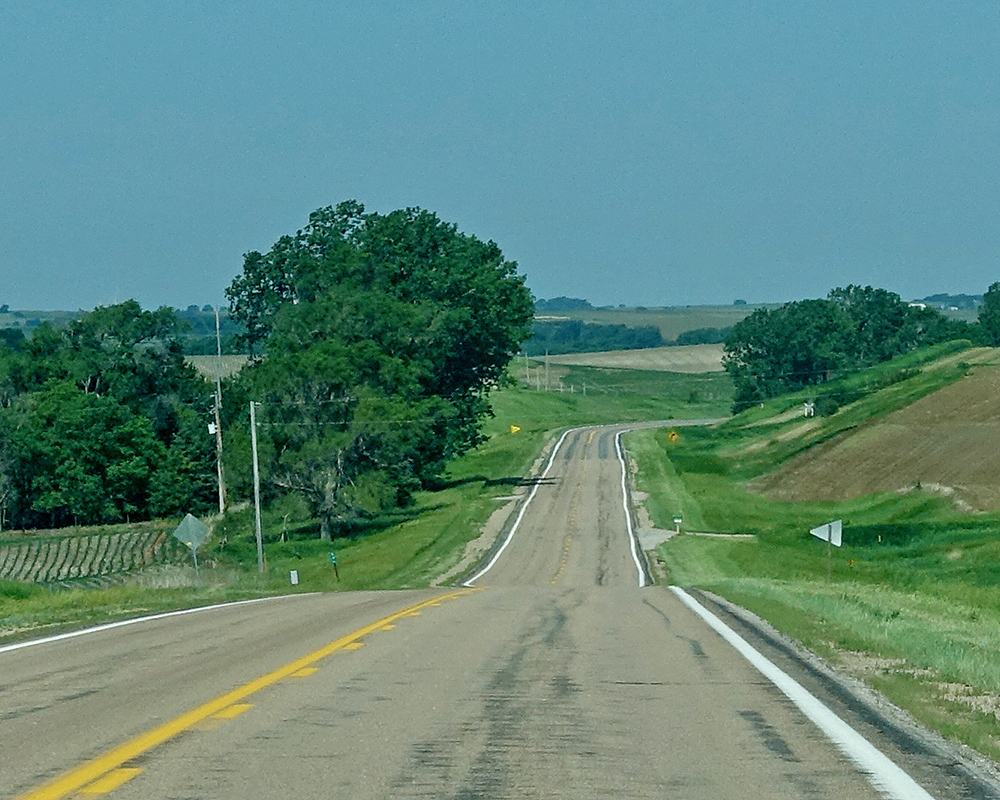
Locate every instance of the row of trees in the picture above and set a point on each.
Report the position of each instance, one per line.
(575, 336)
(102, 421)
(806, 342)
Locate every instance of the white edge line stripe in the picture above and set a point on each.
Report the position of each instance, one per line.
(883, 773)
(633, 544)
(122, 623)
(524, 509)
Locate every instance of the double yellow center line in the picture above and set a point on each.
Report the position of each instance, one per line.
(110, 770)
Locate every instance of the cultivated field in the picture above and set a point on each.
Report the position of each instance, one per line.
(86, 559)
(946, 442)
(692, 359)
(207, 366)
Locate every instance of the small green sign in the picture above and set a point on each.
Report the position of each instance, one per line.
(333, 557)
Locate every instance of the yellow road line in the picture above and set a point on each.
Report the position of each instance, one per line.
(104, 766)
(111, 781)
(233, 711)
(305, 672)
(563, 560)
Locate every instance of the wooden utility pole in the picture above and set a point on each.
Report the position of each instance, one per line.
(218, 415)
(256, 485)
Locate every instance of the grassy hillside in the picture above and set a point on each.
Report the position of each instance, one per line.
(909, 603)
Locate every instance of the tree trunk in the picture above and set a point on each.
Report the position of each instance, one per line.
(325, 529)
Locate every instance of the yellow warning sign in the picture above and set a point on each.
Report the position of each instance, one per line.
(514, 428)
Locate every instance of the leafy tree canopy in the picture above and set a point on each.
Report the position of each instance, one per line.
(381, 336)
(102, 421)
(989, 315)
(801, 343)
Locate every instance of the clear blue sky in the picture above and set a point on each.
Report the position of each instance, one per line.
(653, 153)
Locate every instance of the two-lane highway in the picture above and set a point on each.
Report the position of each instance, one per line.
(556, 675)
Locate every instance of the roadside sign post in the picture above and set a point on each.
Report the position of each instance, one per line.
(678, 519)
(333, 560)
(833, 534)
(192, 531)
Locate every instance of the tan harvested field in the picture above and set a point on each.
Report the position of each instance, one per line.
(696, 358)
(207, 365)
(948, 442)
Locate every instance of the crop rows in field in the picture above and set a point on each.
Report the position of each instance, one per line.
(67, 558)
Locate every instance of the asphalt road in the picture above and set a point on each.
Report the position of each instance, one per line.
(555, 676)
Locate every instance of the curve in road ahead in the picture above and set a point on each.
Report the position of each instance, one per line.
(561, 678)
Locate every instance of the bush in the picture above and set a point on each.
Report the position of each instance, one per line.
(15, 590)
(826, 406)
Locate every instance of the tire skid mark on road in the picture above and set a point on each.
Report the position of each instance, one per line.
(110, 770)
(529, 713)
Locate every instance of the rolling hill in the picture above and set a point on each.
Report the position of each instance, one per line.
(947, 442)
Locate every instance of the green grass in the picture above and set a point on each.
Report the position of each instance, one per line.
(910, 603)
(409, 548)
(31, 610)
(918, 620)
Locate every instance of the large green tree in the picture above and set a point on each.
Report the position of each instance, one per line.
(381, 337)
(84, 458)
(786, 348)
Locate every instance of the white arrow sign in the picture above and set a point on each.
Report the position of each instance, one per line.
(832, 532)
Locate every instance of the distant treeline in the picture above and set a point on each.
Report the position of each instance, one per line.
(194, 330)
(808, 342)
(963, 302)
(573, 336)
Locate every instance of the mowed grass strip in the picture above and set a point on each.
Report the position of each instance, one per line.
(910, 603)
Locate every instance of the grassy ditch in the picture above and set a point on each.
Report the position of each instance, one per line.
(910, 603)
